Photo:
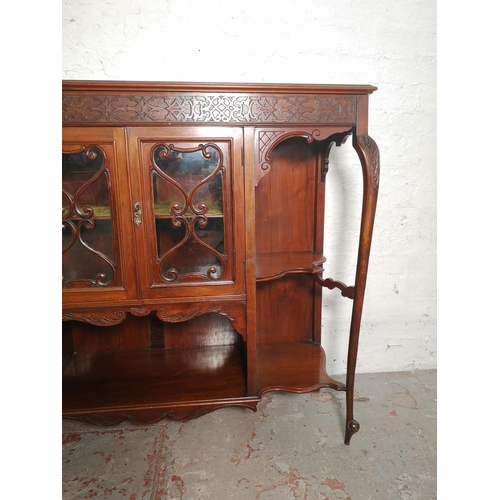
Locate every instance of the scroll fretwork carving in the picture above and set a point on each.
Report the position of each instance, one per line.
(180, 316)
(140, 311)
(97, 319)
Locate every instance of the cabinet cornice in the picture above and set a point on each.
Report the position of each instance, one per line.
(100, 102)
(203, 87)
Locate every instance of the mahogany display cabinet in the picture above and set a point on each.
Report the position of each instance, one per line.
(192, 244)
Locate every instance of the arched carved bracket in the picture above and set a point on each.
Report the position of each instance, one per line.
(97, 318)
(338, 140)
(234, 311)
(346, 291)
(268, 139)
(180, 316)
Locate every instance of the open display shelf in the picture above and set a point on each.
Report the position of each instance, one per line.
(272, 266)
(134, 381)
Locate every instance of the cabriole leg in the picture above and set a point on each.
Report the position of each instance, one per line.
(368, 154)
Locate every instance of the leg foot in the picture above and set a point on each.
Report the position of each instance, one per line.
(351, 428)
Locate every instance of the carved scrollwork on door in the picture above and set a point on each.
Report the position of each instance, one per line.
(87, 239)
(189, 212)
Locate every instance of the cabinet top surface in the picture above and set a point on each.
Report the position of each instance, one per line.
(244, 88)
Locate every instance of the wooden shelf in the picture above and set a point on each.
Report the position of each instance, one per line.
(128, 381)
(293, 366)
(141, 379)
(99, 212)
(165, 211)
(274, 265)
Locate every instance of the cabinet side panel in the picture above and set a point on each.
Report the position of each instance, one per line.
(286, 309)
(285, 199)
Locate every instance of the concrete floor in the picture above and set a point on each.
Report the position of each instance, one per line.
(291, 448)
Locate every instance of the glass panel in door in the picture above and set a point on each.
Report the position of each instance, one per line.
(87, 227)
(189, 212)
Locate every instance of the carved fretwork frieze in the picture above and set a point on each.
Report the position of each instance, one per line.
(190, 107)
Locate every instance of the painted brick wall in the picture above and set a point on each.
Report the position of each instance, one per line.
(390, 44)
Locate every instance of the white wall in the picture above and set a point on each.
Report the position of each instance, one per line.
(390, 44)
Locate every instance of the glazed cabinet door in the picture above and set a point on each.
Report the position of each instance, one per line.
(97, 252)
(190, 232)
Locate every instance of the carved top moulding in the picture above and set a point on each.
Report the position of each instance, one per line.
(111, 103)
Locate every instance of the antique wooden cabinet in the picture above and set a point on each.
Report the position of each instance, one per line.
(193, 244)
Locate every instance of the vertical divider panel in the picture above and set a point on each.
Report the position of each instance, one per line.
(319, 218)
(249, 160)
